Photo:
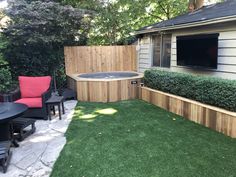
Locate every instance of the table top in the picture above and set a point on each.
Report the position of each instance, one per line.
(55, 99)
(10, 110)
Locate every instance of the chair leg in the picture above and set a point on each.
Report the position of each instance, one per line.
(63, 108)
(59, 110)
(49, 112)
(24, 134)
(33, 128)
(53, 108)
(20, 125)
(5, 162)
(21, 137)
(13, 139)
(4, 166)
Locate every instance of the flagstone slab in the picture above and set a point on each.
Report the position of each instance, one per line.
(53, 150)
(37, 154)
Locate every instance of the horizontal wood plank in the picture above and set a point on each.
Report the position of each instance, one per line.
(226, 68)
(212, 117)
(227, 35)
(145, 47)
(144, 56)
(227, 52)
(144, 51)
(142, 70)
(227, 60)
(144, 61)
(227, 43)
(144, 65)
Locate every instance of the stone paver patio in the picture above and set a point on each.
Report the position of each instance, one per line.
(36, 155)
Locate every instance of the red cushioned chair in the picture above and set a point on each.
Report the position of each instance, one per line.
(34, 92)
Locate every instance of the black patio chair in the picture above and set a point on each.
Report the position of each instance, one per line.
(23, 127)
(5, 155)
(34, 92)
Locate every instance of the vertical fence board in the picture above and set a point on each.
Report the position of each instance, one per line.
(83, 59)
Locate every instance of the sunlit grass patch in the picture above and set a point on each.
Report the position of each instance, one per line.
(106, 111)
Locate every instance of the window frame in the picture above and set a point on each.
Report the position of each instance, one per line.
(161, 50)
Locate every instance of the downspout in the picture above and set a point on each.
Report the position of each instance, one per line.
(161, 47)
(138, 52)
(151, 49)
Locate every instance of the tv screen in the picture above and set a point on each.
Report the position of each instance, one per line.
(199, 51)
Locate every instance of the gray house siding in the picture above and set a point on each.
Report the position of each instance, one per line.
(226, 67)
(144, 53)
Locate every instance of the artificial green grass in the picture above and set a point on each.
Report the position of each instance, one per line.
(136, 139)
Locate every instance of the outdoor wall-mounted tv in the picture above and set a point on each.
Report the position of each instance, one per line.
(200, 51)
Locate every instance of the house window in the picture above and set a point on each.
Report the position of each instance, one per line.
(156, 50)
(161, 50)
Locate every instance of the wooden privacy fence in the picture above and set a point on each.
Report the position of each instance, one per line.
(87, 59)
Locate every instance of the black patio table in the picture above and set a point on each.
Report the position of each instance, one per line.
(9, 111)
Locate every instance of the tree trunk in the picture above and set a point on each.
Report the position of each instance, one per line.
(195, 4)
(191, 5)
(199, 4)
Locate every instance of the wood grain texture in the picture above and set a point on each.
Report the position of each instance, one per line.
(107, 91)
(87, 59)
(212, 117)
(71, 83)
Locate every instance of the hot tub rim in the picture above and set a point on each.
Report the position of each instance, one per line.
(77, 78)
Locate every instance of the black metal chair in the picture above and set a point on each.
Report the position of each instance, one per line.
(23, 127)
(5, 155)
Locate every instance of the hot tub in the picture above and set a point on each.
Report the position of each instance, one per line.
(105, 86)
(109, 75)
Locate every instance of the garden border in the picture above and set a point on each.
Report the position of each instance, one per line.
(212, 117)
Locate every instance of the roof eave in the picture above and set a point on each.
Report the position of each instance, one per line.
(189, 25)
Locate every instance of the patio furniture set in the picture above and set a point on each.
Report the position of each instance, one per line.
(17, 119)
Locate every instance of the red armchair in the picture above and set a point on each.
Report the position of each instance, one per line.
(34, 92)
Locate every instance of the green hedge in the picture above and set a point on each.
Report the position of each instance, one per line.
(210, 90)
(6, 83)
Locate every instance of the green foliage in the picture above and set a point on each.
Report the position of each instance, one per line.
(5, 74)
(82, 4)
(3, 44)
(115, 21)
(7, 84)
(60, 73)
(209, 90)
(37, 34)
(2, 60)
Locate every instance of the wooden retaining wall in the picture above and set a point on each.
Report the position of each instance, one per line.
(212, 117)
(87, 59)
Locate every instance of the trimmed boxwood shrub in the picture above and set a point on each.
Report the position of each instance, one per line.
(210, 90)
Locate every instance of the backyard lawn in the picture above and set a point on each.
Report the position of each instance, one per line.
(136, 139)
